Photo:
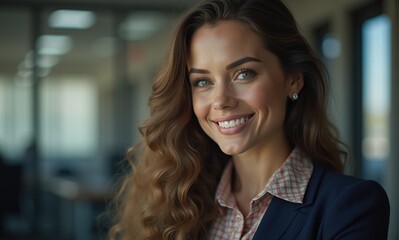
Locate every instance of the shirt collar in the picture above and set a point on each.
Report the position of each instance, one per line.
(224, 196)
(289, 182)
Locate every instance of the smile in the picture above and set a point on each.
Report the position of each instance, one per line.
(234, 122)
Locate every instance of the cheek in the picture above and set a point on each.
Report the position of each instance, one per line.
(200, 106)
(259, 96)
(266, 97)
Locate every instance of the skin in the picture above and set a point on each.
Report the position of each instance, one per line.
(234, 77)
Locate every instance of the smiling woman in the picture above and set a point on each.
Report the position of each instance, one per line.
(240, 101)
(238, 144)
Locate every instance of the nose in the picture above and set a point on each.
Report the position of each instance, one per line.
(224, 97)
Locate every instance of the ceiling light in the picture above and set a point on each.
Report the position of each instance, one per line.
(54, 44)
(47, 61)
(72, 19)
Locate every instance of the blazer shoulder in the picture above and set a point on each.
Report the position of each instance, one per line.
(335, 182)
(336, 206)
(349, 204)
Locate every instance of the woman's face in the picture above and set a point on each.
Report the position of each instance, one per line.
(239, 90)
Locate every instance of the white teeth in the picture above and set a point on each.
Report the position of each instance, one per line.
(233, 123)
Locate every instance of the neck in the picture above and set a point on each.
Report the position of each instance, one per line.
(253, 169)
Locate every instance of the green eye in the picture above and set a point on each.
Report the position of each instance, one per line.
(245, 74)
(202, 82)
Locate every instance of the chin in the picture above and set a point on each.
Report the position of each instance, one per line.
(231, 150)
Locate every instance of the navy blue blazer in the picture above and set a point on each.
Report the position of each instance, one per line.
(335, 207)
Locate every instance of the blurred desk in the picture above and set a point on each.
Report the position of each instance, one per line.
(76, 199)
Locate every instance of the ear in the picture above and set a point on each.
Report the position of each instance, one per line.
(295, 83)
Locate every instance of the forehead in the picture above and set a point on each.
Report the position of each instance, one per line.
(227, 38)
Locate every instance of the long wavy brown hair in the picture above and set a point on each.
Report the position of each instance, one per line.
(169, 192)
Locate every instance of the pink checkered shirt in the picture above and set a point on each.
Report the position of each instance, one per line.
(289, 182)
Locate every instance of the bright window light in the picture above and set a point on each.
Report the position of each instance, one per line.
(72, 19)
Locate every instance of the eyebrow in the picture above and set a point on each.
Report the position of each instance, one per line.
(228, 67)
(241, 61)
(196, 70)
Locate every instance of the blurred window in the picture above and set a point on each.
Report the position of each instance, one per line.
(75, 62)
(376, 82)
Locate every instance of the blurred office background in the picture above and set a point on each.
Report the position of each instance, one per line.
(75, 76)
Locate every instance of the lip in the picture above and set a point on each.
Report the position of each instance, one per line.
(232, 130)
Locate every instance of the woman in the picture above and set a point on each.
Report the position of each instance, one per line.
(238, 145)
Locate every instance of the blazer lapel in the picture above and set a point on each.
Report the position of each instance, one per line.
(284, 218)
